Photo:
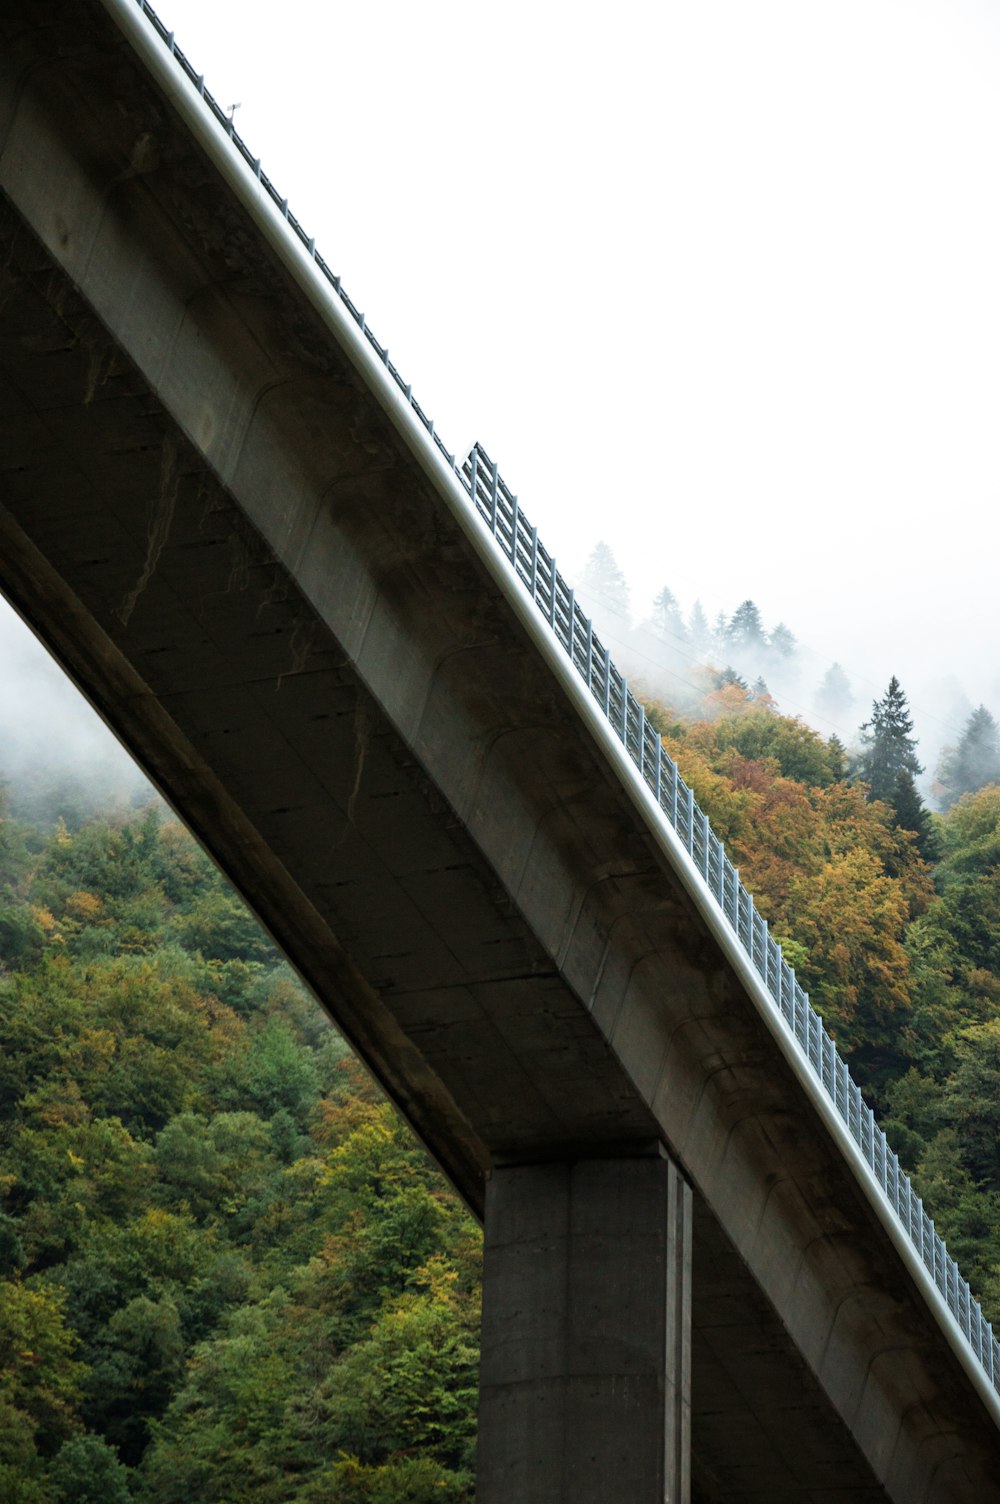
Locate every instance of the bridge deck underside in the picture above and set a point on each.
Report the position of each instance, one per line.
(216, 528)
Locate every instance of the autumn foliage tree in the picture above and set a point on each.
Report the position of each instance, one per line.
(830, 869)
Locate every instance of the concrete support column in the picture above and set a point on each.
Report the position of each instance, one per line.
(585, 1379)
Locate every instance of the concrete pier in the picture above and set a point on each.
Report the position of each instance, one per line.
(585, 1382)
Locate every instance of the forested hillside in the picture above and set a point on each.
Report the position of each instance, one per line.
(891, 917)
(228, 1274)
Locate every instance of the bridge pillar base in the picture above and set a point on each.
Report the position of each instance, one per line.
(585, 1379)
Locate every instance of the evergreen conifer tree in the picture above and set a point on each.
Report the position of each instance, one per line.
(975, 762)
(666, 620)
(912, 814)
(605, 579)
(888, 744)
(745, 628)
(834, 697)
(699, 630)
(838, 757)
(729, 675)
(782, 641)
(889, 766)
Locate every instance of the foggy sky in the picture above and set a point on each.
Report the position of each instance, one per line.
(46, 726)
(714, 283)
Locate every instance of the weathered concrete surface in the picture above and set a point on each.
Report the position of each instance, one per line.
(234, 551)
(585, 1380)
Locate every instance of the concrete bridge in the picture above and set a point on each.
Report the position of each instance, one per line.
(227, 518)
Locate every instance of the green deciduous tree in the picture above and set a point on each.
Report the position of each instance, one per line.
(40, 1379)
(87, 1471)
(402, 1480)
(798, 751)
(412, 1382)
(137, 1363)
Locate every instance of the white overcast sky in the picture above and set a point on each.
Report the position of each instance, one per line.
(718, 282)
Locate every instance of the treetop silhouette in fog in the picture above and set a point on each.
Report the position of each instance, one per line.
(974, 763)
(604, 578)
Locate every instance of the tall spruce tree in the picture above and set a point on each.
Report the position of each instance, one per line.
(974, 763)
(912, 814)
(888, 745)
(782, 641)
(666, 619)
(699, 630)
(888, 765)
(834, 697)
(745, 628)
(605, 579)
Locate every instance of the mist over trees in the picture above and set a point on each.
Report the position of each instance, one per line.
(677, 655)
(665, 620)
(604, 580)
(57, 753)
(974, 762)
(834, 698)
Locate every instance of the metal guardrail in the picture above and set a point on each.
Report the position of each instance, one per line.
(535, 567)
